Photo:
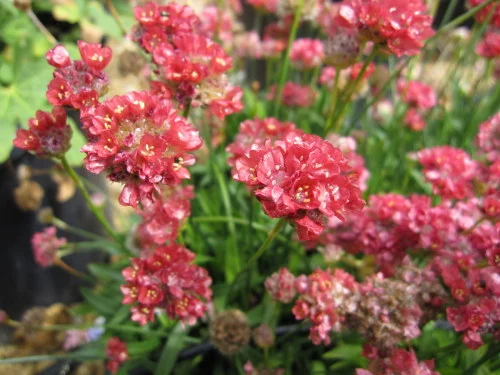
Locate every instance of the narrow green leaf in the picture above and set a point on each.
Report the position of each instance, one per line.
(171, 350)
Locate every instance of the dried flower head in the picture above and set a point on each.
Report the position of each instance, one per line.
(230, 331)
(28, 195)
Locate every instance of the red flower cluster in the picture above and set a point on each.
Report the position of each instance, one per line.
(401, 26)
(162, 219)
(294, 95)
(489, 47)
(190, 65)
(167, 279)
(450, 171)
(117, 353)
(45, 246)
(307, 53)
(420, 98)
(80, 83)
(384, 311)
(48, 134)
(399, 362)
(139, 139)
(484, 14)
(257, 132)
(302, 178)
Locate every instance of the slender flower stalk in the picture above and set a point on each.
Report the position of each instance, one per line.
(335, 121)
(40, 26)
(116, 16)
(95, 210)
(261, 250)
(286, 62)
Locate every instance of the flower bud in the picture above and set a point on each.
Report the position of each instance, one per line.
(46, 216)
(263, 336)
(23, 5)
(230, 331)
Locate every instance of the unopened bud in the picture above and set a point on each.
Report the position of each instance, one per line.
(263, 336)
(46, 216)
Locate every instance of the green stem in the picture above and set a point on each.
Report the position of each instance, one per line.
(40, 26)
(349, 90)
(49, 357)
(232, 257)
(71, 229)
(334, 94)
(96, 211)
(274, 232)
(459, 20)
(185, 113)
(286, 62)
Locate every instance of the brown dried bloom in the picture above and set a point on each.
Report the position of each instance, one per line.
(65, 186)
(230, 331)
(28, 196)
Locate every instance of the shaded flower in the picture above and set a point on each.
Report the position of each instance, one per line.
(117, 353)
(45, 246)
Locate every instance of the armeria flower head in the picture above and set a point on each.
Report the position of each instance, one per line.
(484, 14)
(80, 83)
(294, 95)
(417, 94)
(281, 286)
(488, 138)
(489, 46)
(400, 26)
(257, 131)
(48, 134)
(45, 246)
(117, 353)
(398, 362)
(167, 278)
(139, 140)
(307, 53)
(302, 178)
(163, 218)
(322, 299)
(449, 170)
(157, 23)
(194, 67)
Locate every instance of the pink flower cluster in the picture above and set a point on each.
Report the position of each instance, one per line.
(400, 26)
(300, 177)
(139, 140)
(307, 53)
(384, 311)
(420, 98)
(48, 134)
(167, 279)
(163, 218)
(399, 362)
(484, 14)
(450, 171)
(78, 84)
(294, 95)
(190, 65)
(489, 46)
(45, 246)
